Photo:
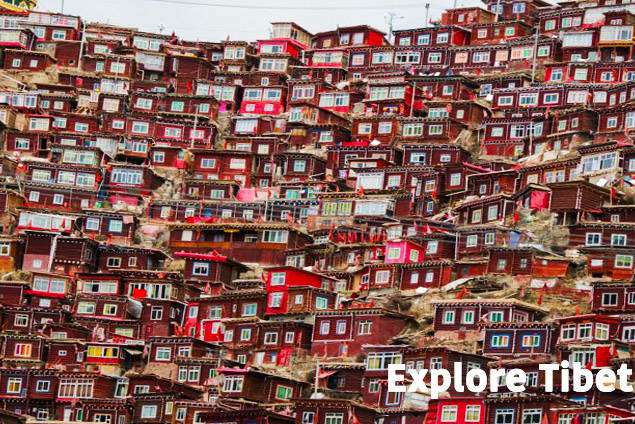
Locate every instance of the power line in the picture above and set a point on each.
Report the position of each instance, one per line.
(253, 7)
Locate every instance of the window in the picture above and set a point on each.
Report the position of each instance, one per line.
(492, 212)
(110, 309)
(80, 388)
(245, 334)
(141, 389)
(423, 39)
(448, 317)
(593, 239)
(609, 299)
(148, 411)
(412, 130)
(284, 392)
(321, 303)
(567, 332)
(271, 338)
(551, 98)
(308, 417)
(480, 57)
(532, 416)
(278, 278)
(42, 386)
(163, 354)
(496, 316)
(126, 176)
(86, 308)
(407, 57)
(583, 357)
(435, 129)
(333, 418)
(113, 262)
(528, 99)
(325, 328)
(584, 331)
(468, 317)
(21, 320)
(23, 350)
(618, 240)
(476, 216)
(14, 385)
(275, 300)
(530, 340)
(623, 261)
(434, 57)
(556, 75)
(448, 413)
(382, 277)
(249, 310)
(472, 413)
(299, 166)
(455, 179)
(601, 331)
(200, 268)
(532, 379)
(382, 57)
(58, 34)
(22, 143)
(380, 360)
(436, 363)
(499, 341)
(471, 240)
(140, 127)
(156, 313)
(364, 328)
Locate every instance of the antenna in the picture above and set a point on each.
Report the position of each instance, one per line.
(161, 28)
(427, 21)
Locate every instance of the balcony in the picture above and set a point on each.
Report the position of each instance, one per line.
(616, 36)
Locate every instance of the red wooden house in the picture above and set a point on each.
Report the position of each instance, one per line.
(264, 243)
(465, 314)
(517, 339)
(27, 60)
(259, 386)
(349, 36)
(590, 340)
(279, 280)
(344, 332)
(209, 268)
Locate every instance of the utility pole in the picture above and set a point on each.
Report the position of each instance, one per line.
(81, 46)
(390, 18)
(498, 8)
(316, 382)
(62, 11)
(533, 65)
(427, 21)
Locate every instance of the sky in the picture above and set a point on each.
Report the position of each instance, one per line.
(208, 20)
